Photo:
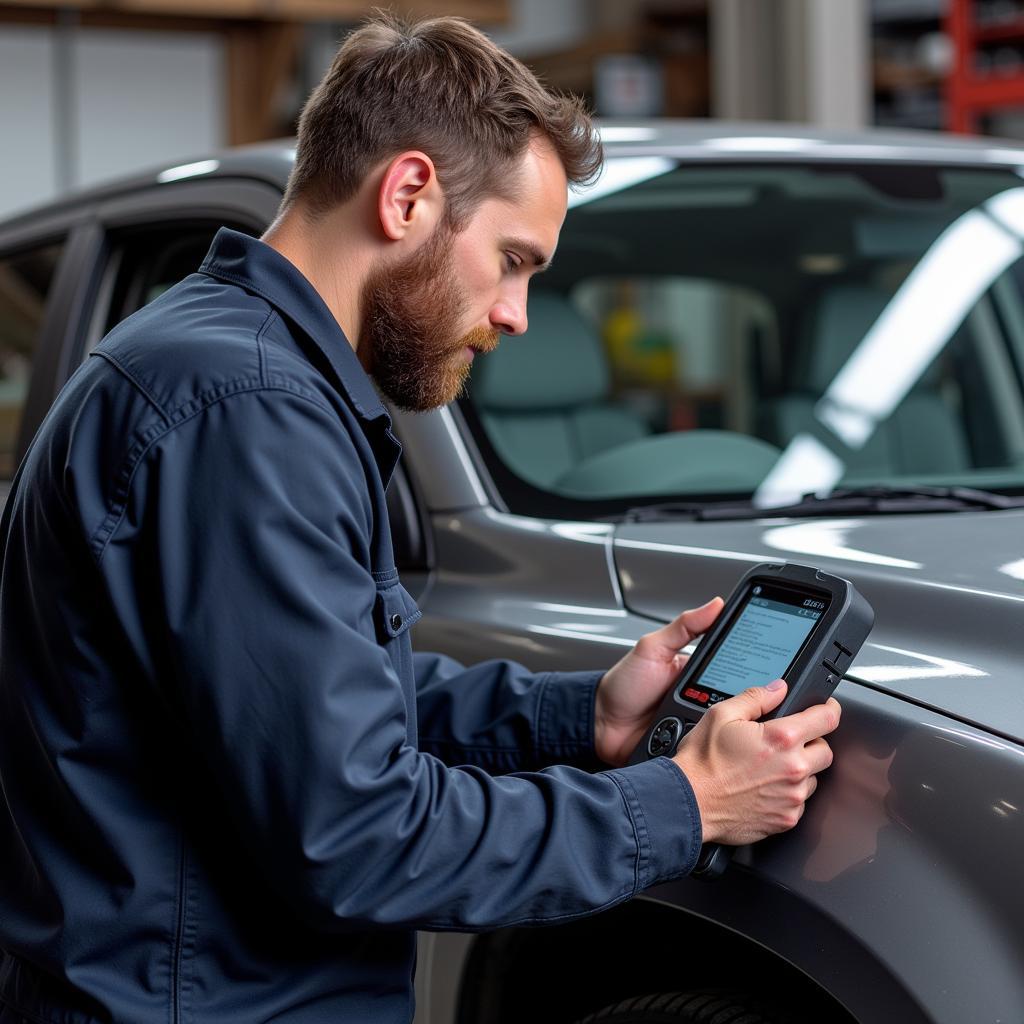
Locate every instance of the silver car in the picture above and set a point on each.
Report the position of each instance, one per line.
(755, 344)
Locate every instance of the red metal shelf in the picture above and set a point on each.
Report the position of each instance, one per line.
(970, 95)
(1009, 31)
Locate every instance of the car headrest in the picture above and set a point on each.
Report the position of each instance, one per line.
(557, 363)
(841, 318)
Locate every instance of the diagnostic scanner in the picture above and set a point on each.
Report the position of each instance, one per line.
(783, 621)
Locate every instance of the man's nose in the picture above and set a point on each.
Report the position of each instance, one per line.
(509, 316)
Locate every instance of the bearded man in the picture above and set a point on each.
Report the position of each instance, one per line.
(218, 808)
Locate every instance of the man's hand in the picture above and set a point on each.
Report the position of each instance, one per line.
(752, 779)
(631, 690)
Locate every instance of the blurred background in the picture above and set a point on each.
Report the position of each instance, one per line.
(90, 89)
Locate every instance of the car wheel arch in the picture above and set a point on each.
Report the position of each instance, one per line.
(635, 947)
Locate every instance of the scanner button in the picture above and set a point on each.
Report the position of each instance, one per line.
(840, 657)
(664, 737)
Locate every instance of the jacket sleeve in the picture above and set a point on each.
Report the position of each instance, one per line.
(254, 516)
(502, 717)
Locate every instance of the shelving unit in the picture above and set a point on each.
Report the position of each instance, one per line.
(672, 37)
(987, 74)
(908, 87)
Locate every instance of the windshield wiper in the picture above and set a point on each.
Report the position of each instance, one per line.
(850, 501)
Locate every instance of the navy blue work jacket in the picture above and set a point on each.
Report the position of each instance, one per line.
(231, 791)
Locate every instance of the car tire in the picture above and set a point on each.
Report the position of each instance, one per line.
(704, 1007)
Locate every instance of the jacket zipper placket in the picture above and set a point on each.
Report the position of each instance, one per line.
(179, 936)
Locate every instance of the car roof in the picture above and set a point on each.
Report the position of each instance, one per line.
(697, 140)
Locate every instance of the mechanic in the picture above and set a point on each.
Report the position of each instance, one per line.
(232, 792)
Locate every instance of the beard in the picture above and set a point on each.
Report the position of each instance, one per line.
(406, 342)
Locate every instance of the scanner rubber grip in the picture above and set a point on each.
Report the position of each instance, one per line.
(713, 860)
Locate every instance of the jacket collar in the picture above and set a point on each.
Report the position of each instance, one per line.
(246, 261)
(243, 260)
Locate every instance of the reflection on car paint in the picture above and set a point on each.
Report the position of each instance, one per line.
(578, 633)
(970, 590)
(587, 532)
(1014, 569)
(1004, 808)
(682, 549)
(458, 445)
(572, 609)
(193, 170)
(854, 815)
(934, 668)
(828, 538)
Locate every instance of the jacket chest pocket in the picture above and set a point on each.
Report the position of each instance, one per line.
(394, 613)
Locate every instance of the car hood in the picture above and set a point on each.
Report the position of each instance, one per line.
(947, 589)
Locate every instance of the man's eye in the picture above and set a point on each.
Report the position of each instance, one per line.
(511, 262)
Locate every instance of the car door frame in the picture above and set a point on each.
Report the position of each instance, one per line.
(71, 228)
(250, 203)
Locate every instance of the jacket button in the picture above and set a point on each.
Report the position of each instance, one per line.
(396, 621)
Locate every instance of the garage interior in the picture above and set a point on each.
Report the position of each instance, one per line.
(95, 88)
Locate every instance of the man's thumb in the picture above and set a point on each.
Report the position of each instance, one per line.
(756, 701)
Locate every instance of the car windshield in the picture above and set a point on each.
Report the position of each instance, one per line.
(765, 331)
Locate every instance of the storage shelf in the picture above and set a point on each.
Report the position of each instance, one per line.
(1011, 31)
(971, 95)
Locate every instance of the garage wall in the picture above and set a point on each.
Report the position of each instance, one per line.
(28, 155)
(81, 105)
(142, 98)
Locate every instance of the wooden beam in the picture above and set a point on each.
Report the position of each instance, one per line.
(105, 18)
(261, 58)
(483, 12)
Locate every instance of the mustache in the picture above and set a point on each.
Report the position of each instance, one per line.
(483, 339)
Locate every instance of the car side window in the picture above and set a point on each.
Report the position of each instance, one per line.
(147, 262)
(25, 281)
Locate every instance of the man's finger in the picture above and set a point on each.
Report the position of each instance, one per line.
(750, 704)
(818, 754)
(691, 623)
(806, 725)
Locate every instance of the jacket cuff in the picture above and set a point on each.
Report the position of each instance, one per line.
(564, 729)
(665, 817)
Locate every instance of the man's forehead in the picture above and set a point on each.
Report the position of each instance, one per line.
(532, 216)
(543, 179)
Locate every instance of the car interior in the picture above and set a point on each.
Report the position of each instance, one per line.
(691, 324)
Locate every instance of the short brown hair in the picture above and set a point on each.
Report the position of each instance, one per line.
(440, 86)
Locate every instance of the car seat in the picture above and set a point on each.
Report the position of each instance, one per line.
(922, 435)
(543, 396)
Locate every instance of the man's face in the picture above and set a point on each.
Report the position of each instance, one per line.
(426, 315)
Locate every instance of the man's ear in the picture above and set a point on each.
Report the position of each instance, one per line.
(410, 201)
